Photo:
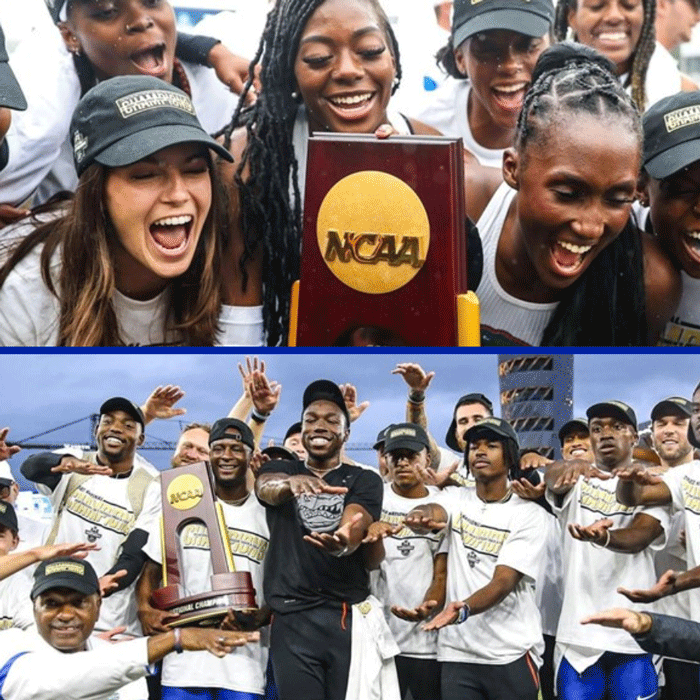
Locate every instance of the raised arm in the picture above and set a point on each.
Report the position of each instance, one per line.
(638, 486)
(276, 488)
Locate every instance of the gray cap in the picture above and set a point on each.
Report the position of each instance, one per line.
(125, 119)
(11, 94)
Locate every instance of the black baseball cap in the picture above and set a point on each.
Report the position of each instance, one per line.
(11, 94)
(408, 436)
(381, 437)
(279, 452)
(294, 429)
(613, 409)
(463, 401)
(8, 516)
(325, 390)
(571, 426)
(124, 119)
(672, 406)
(119, 403)
(233, 429)
(491, 425)
(55, 7)
(530, 17)
(672, 134)
(65, 572)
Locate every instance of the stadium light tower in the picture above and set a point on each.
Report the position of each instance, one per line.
(536, 393)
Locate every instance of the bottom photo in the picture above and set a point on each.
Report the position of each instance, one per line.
(349, 526)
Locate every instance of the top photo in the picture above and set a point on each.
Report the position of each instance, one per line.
(349, 173)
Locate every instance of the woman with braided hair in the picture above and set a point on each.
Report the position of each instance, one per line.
(623, 30)
(564, 264)
(327, 65)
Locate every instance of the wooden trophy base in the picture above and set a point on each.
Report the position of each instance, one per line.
(230, 591)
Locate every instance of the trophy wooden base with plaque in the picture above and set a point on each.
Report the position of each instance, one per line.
(384, 245)
(188, 497)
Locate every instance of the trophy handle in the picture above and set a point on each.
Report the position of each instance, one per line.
(293, 315)
(468, 322)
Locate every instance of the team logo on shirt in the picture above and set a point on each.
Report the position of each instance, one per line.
(93, 534)
(602, 501)
(320, 512)
(472, 559)
(405, 548)
(691, 494)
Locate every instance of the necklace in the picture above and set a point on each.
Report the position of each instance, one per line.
(236, 502)
(503, 499)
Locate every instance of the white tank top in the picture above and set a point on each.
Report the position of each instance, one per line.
(505, 320)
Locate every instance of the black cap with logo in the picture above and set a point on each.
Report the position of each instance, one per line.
(672, 134)
(529, 17)
(119, 403)
(491, 425)
(11, 94)
(124, 119)
(65, 572)
(233, 429)
(575, 424)
(279, 452)
(325, 390)
(672, 406)
(381, 438)
(613, 409)
(407, 436)
(8, 516)
(450, 438)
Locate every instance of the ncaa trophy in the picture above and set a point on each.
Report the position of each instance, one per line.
(188, 497)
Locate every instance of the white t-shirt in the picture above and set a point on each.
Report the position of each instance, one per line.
(447, 112)
(684, 326)
(100, 511)
(592, 574)
(482, 536)
(243, 669)
(29, 312)
(683, 482)
(505, 320)
(406, 572)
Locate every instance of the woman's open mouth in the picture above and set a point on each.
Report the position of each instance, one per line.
(351, 107)
(171, 234)
(568, 257)
(150, 61)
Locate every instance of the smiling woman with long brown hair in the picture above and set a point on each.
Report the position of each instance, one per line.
(138, 255)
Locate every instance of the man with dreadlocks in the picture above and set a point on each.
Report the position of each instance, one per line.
(490, 637)
(327, 65)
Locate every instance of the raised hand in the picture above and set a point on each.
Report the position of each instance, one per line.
(355, 410)
(597, 532)
(161, 401)
(620, 618)
(6, 451)
(414, 375)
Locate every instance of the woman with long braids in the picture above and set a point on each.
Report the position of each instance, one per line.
(623, 30)
(327, 65)
(564, 264)
(137, 257)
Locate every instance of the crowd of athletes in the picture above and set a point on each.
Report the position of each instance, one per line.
(477, 569)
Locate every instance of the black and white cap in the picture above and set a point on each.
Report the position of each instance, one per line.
(672, 134)
(672, 406)
(408, 436)
(124, 119)
(613, 409)
(65, 572)
(11, 94)
(530, 17)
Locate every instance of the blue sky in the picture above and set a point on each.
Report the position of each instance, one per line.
(42, 391)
